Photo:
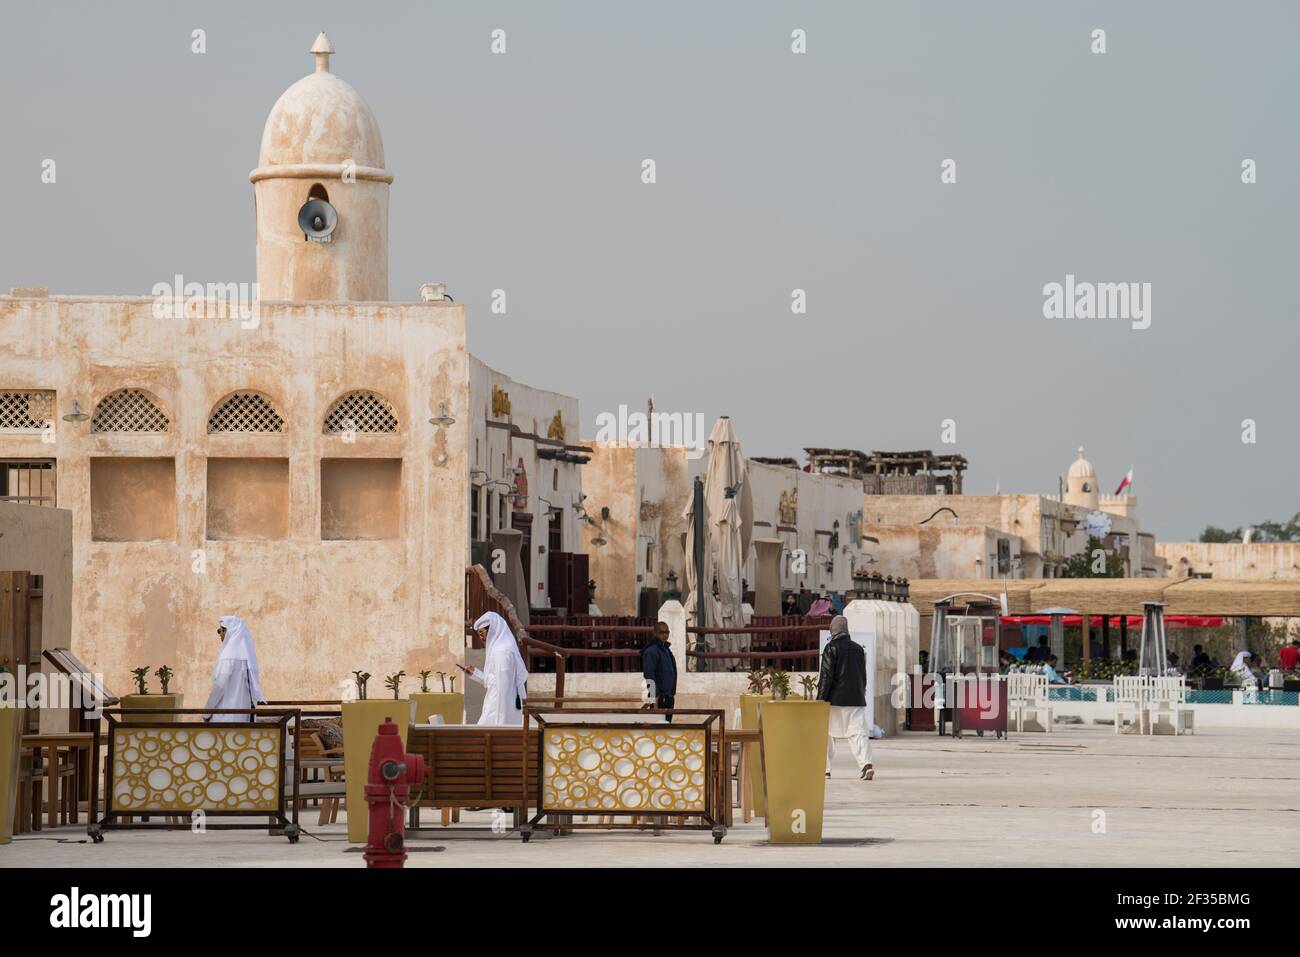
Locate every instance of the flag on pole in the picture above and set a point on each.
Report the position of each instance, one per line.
(1128, 480)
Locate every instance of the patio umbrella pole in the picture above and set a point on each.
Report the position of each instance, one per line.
(698, 518)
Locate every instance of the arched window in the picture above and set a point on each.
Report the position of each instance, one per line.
(129, 410)
(360, 411)
(245, 411)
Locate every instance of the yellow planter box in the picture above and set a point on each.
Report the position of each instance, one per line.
(448, 705)
(794, 768)
(129, 702)
(361, 721)
(11, 721)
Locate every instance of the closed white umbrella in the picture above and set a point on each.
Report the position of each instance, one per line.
(711, 615)
(729, 514)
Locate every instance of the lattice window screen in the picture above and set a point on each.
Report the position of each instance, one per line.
(26, 410)
(245, 412)
(360, 412)
(129, 410)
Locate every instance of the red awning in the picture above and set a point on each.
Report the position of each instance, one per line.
(1134, 621)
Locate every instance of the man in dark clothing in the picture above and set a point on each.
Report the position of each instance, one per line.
(659, 669)
(843, 684)
(1041, 653)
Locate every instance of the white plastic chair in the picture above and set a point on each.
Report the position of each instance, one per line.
(1167, 698)
(1130, 697)
(1032, 690)
(1017, 692)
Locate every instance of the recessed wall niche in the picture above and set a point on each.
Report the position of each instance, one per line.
(360, 499)
(132, 499)
(248, 499)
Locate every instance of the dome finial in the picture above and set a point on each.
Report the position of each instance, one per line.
(1080, 447)
(322, 50)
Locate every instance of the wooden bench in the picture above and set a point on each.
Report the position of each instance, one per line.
(473, 766)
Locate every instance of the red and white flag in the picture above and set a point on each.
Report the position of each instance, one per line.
(1128, 480)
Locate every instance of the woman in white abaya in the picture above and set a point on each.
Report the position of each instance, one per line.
(236, 680)
(503, 673)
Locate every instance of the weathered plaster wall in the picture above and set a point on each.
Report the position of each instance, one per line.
(664, 491)
(318, 609)
(646, 490)
(923, 551)
(826, 503)
(1265, 560)
(39, 540)
(609, 481)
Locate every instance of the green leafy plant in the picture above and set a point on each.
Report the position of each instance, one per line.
(442, 677)
(453, 683)
(424, 681)
(394, 683)
(140, 676)
(757, 681)
(809, 685)
(779, 682)
(165, 675)
(361, 677)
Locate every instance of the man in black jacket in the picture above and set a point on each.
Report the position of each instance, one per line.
(659, 669)
(843, 683)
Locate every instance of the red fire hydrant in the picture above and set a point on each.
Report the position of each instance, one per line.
(388, 787)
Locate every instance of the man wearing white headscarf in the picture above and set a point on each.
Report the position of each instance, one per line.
(503, 673)
(236, 679)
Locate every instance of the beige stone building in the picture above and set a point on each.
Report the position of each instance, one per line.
(1008, 536)
(635, 499)
(290, 459)
(816, 516)
(1234, 560)
(525, 475)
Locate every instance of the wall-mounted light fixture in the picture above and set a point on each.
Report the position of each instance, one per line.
(76, 415)
(442, 420)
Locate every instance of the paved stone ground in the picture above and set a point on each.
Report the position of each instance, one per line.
(1220, 797)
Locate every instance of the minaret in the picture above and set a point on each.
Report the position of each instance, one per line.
(320, 193)
(1081, 484)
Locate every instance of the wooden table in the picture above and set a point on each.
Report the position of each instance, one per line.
(747, 741)
(51, 744)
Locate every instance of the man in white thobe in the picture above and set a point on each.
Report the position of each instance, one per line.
(236, 679)
(843, 683)
(503, 674)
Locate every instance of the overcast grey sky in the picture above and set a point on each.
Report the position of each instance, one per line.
(775, 172)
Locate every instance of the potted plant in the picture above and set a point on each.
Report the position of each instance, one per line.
(1214, 679)
(164, 674)
(778, 682)
(144, 700)
(361, 721)
(809, 685)
(447, 704)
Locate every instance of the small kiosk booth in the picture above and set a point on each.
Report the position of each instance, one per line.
(968, 692)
